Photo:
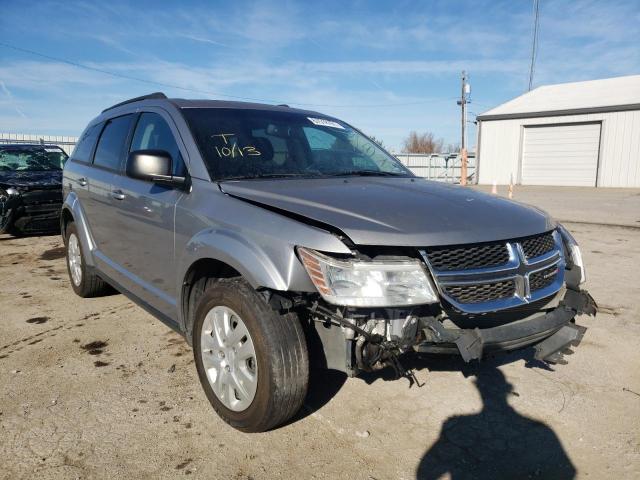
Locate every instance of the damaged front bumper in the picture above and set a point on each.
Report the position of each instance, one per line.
(32, 212)
(376, 342)
(555, 331)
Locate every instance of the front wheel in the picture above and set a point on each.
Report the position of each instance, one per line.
(252, 362)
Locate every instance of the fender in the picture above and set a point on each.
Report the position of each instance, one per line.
(228, 247)
(261, 261)
(264, 264)
(72, 205)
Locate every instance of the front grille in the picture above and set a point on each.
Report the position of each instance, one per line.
(539, 245)
(543, 278)
(468, 257)
(489, 277)
(38, 197)
(478, 293)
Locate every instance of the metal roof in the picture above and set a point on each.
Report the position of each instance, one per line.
(606, 95)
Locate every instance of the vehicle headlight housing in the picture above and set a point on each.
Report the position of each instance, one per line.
(373, 283)
(12, 191)
(574, 251)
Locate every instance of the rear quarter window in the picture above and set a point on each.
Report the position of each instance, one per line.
(84, 147)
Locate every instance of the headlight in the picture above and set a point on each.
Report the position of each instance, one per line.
(12, 191)
(574, 251)
(368, 283)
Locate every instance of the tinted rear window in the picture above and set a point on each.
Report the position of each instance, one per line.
(112, 142)
(85, 145)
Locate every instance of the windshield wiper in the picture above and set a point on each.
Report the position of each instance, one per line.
(265, 175)
(368, 173)
(361, 173)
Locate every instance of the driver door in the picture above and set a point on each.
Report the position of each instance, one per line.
(145, 219)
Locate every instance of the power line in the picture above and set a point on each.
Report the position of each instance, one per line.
(534, 41)
(204, 92)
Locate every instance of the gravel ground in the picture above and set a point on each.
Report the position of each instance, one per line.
(99, 389)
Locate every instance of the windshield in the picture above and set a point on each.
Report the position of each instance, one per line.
(245, 144)
(36, 159)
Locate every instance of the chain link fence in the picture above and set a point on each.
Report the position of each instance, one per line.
(441, 167)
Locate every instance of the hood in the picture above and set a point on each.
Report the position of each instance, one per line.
(30, 180)
(397, 211)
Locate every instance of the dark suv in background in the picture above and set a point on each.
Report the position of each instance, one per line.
(30, 188)
(271, 237)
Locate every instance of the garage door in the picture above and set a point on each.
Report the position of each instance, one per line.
(561, 155)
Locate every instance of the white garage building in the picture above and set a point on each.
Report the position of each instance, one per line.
(572, 134)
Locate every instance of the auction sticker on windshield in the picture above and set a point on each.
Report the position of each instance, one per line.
(325, 123)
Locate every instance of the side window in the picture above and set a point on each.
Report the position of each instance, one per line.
(111, 144)
(56, 157)
(84, 147)
(153, 133)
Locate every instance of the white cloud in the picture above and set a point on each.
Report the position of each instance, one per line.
(10, 100)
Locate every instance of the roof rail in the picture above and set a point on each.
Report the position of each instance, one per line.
(283, 105)
(154, 95)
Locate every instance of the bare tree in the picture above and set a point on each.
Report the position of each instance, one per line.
(422, 143)
(453, 148)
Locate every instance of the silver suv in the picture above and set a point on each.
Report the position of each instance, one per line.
(272, 238)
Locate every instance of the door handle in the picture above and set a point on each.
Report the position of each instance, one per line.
(118, 195)
(82, 182)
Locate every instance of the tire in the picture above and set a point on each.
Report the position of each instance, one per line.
(280, 361)
(86, 284)
(7, 226)
(14, 232)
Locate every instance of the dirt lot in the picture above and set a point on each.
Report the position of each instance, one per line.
(99, 389)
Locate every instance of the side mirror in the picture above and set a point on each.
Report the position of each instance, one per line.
(153, 166)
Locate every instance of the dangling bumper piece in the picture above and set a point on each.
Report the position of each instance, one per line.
(555, 331)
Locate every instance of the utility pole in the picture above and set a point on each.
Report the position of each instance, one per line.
(534, 41)
(465, 90)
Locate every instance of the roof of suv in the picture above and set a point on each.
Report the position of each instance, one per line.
(182, 103)
(185, 103)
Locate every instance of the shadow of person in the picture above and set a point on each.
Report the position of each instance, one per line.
(496, 443)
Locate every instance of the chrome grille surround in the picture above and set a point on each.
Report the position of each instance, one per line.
(517, 269)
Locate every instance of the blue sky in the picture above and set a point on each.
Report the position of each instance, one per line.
(386, 67)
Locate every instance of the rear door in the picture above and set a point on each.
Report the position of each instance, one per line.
(561, 154)
(107, 162)
(78, 170)
(144, 218)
